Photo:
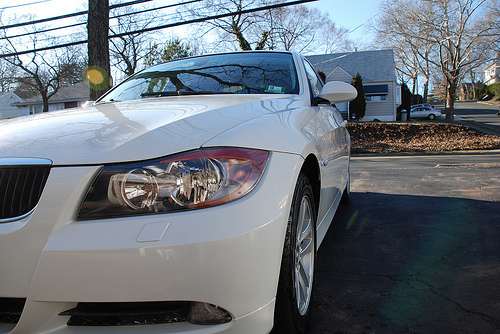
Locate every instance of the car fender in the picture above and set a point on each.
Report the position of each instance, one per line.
(286, 131)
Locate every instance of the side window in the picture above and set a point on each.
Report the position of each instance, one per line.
(316, 83)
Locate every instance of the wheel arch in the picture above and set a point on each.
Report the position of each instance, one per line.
(310, 169)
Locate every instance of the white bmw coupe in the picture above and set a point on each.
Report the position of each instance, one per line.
(191, 198)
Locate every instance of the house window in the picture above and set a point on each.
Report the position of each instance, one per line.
(376, 98)
(36, 109)
(376, 93)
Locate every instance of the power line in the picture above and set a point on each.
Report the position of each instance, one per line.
(113, 17)
(214, 17)
(24, 4)
(65, 16)
(171, 25)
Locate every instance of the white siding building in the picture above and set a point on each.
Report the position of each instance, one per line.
(67, 97)
(378, 72)
(492, 72)
(7, 110)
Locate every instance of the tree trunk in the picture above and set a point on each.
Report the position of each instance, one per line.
(451, 94)
(426, 89)
(244, 45)
(98, 72)
(45, 103)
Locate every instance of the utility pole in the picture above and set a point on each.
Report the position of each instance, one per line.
(98, 72)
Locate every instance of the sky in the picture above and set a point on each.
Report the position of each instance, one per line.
(351, 14)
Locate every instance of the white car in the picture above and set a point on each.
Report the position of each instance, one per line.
(425, 112)
(421, 105)
(191, 198)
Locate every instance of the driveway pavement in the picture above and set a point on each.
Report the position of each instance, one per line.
(417, 249)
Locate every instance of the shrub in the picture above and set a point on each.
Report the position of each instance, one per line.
(494, 89)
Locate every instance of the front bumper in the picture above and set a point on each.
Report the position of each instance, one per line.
(228, 256)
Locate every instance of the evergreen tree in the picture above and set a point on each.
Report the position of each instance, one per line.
(405, 100)
(357, 107)
(322, 75)
(173, 49)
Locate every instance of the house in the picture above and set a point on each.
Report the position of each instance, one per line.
(7, 110)
(67, 97)
(378, 71)
(492, 72)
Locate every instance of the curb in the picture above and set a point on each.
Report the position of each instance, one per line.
(477, 126)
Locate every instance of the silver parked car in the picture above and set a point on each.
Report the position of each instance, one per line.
(425, 112)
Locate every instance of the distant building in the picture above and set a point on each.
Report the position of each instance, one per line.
(492, 72)
(67, 97)
(7, 110)
(378, 71)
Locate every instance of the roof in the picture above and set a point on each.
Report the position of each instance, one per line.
(8, 98)
(74, 93)
(371, 65)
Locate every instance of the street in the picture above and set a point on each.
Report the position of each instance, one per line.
(483, 115)
(416, 249)
(480, 113)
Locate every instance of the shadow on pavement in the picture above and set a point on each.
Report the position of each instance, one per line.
(409, 264)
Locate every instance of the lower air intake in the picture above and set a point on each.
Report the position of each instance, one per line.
(11, 309)
(127, 314)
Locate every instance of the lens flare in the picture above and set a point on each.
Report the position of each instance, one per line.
(94, 76)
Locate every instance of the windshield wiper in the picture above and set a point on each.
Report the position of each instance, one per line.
(159, 94)
(181, 92)
(200, 92)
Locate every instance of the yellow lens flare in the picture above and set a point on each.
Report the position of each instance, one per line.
(94, 76)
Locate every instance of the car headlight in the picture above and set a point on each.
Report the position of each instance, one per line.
(190, 180)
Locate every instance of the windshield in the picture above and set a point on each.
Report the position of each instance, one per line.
(238, 73)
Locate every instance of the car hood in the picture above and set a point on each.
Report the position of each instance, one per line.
(134, 130)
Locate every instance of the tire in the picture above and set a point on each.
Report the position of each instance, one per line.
(432, 116)
(346, 195)
(295, 287)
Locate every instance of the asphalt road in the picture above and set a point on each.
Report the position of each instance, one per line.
(480, 113)
(416, 250)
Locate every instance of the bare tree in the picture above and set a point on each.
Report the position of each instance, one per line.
(297, 27)
(334, 38)
(7, 77)
(492, 20)
(440, 33)
(406, 37)
(306, 30)
(43, 72)
(46, 74)
(249, 31)
(456, 43)
(128, 51)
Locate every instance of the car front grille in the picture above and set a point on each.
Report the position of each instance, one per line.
(127, 314)
(11, 309)
(20, 188)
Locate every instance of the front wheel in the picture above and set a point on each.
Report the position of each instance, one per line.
(295, 288)
(432, 116)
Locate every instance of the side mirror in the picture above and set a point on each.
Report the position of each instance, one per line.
(338, 92)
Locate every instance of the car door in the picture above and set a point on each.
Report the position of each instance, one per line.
(332, 150)
(417, 113)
